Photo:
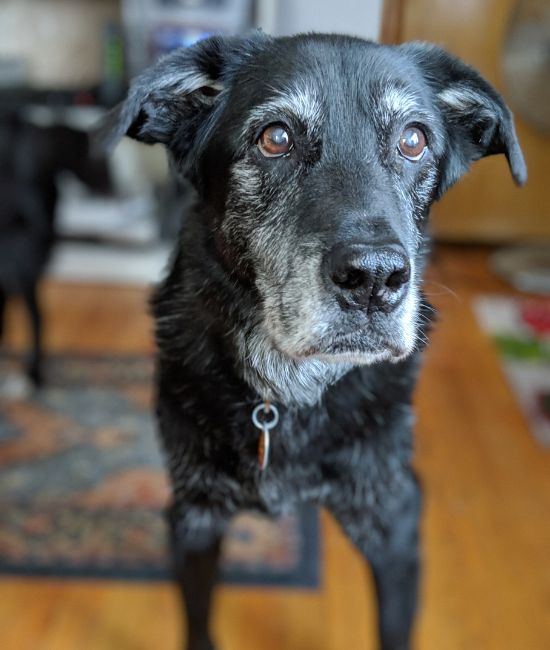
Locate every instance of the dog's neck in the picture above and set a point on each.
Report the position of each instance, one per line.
(277, 377)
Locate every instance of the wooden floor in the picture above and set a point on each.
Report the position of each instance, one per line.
(486, 528)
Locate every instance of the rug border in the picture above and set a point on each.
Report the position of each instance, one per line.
(309, 574)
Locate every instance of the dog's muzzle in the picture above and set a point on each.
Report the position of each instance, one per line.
(367, 277)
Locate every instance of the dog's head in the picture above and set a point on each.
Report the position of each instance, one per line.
(318, 158)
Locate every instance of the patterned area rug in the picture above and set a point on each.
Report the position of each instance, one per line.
(82, 486)
(520, 329)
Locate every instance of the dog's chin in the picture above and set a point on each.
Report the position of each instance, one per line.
(354, 350)
(360, 358)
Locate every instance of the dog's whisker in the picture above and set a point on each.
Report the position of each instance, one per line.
(445, 290)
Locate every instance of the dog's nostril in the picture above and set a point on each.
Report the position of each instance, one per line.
(349, 279)
(398, 278)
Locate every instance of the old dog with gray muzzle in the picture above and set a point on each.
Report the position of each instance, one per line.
(292, 319)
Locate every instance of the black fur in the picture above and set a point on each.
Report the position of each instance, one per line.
(31, 158)
(248, 309)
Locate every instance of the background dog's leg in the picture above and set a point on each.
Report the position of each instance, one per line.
(394, 560)
(195, 555)
(34, 367)
(3, 300)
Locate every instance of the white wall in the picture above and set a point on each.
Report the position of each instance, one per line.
(356, 17)
(58, 41)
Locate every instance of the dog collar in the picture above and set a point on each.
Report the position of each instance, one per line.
(265, 416)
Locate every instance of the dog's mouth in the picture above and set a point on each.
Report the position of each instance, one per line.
(362, 345)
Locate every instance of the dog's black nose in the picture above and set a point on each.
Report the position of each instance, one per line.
(368, 277)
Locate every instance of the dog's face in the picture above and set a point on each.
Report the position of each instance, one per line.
(318, 158)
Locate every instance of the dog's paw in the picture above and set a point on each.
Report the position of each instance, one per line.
(34, 373)
(15, 387)
(201, 645)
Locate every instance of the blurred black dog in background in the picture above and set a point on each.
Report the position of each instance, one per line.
(31, 157)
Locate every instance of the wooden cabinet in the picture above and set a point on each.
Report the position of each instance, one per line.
(485, 206)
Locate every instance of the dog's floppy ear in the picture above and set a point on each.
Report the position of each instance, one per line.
(477, 121)
(171, 100)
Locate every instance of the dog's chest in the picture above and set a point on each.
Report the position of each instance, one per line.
(291, 470)
(357, 439)
(310, 455)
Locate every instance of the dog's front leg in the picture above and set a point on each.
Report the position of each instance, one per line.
(388, 538)
(395, 565)
(196, 551)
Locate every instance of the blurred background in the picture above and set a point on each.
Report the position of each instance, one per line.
(83, 239)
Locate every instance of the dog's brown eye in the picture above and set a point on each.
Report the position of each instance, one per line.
(412, 143)
(275, 141)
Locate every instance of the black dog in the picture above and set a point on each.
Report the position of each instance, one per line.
(296, 284)
(31, 158)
